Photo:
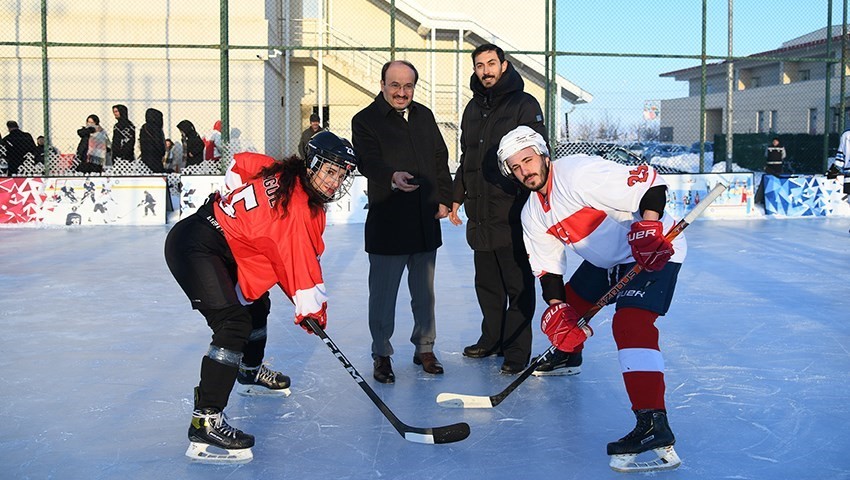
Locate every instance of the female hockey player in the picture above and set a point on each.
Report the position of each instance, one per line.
(611, 216)
(226, 257)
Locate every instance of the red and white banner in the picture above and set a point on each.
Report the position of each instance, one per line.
(83, 200)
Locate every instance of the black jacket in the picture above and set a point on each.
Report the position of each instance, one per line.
(152, 141)
(123, 136)
(492, 202)
(193, 144)
(401, 223)
(18, 144)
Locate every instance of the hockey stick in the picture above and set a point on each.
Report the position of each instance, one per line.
(446, 434)
(456, 400)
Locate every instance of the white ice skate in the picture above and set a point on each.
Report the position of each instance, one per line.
(261, 380)
(666, 459)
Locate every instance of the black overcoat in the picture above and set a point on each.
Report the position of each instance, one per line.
(398, 222)
(492, 202)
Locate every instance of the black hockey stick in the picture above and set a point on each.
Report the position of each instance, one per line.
(445, 434)
(456, 400)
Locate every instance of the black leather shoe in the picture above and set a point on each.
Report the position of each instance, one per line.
(383, 370)
(477, 351)
(512, 368)
(429, 363)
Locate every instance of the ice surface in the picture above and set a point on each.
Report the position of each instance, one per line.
(100, 350)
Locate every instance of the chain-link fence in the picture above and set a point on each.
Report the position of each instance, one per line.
(247, 76)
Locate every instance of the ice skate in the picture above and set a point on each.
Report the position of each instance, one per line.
(652, 432)
(261, 381)
(559, 363)
(212, 440)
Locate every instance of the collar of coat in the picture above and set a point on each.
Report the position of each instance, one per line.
(385, 108)
(510, 82)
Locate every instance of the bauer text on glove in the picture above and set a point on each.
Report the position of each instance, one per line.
(565, 329)
(649, 247)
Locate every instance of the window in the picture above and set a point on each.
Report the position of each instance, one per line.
(813, 121)
(761, 122)
(774, 117)
(755, 82)
(805, 75)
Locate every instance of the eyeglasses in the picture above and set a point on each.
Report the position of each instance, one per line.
(395, 86)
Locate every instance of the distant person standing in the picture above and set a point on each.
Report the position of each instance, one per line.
(96, 150)
(308, 133)
(123, 135)
(152, 141)
(174, 162)
(213, 147)
(775, 154)
(39, 153)
(18, 144)
(193, 144)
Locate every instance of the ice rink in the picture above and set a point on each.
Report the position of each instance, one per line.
(100, 350)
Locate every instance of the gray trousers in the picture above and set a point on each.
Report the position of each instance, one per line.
(384, 279)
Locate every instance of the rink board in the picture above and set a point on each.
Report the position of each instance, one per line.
(83, 200)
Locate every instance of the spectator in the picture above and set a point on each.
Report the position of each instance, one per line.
(98, 145)
(39, 152)
(152, 141)
(503, 280)
(193, 144)
(308, 133)
(213, 146)
(775, 154)
(173, 156)
(403, 155)
(123, 135)
(18, 144)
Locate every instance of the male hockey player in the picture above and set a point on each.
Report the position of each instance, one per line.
(228, 255)
(612, 216)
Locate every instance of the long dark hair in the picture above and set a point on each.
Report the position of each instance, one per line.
(289, 172)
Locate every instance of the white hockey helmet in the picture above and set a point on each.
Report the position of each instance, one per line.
(517, 139)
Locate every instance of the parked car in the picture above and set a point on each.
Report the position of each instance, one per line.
(664, 150)
(609, 151)
(709, 147)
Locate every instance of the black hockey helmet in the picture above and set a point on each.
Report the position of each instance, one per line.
(327, 148)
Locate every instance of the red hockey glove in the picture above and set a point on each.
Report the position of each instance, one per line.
(560, 323)
(321, 317)
(649, 247)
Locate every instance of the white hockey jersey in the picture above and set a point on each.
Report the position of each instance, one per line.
(590, 206)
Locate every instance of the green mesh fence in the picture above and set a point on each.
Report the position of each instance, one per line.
(262, 68)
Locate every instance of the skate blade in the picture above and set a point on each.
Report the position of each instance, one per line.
(558, 372)
(666, 459)
(206, 453)
(258, 390)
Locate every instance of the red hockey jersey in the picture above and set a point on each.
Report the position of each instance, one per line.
(270, 249)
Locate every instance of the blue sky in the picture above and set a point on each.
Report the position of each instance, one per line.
(621, 85)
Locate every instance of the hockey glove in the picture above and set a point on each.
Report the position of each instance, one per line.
(649, 247)
(321, 317)
(560, 323)
(833, 172)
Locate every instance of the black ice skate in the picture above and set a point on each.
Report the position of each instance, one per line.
(261, 381)
(651, 433)
(559, 363)
(212, 440)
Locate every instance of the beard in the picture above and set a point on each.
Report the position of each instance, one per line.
(540, 177)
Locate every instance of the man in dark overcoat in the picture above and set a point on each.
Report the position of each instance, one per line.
(404, 158)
